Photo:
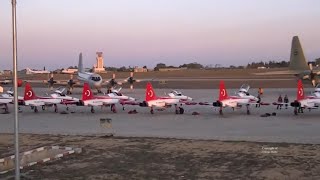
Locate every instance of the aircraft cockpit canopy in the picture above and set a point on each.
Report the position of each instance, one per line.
(244, 88)
(117, 93)
(176, 93)
(60, 91)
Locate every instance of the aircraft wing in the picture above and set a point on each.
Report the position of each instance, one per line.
(133, 103)
(96, 104)
(37, 104)
(285, 72)
(69, 102)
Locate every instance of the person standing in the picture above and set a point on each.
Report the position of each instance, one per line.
(286, 101)
(279, 102)
(259, 100)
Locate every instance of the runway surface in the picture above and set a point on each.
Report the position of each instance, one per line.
(237, 125)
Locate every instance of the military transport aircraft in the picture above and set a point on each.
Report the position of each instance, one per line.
(298, 65)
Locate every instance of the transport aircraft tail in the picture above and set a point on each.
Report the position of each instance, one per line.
(297, 58)
(80, 65)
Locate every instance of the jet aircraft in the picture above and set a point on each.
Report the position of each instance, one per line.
(153, 101)
(243, 98)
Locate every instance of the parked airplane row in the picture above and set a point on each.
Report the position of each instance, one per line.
(152, 101)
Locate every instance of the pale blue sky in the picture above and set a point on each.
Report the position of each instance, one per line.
(145, 32)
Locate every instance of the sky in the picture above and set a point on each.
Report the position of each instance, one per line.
(52, 33)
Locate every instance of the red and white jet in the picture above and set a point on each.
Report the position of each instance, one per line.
(88, 99)
(242, 98)
(152, 101)
(4, 100)
(305, 102)
(30, 99)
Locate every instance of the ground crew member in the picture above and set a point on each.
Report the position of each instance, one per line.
(286, 101)
(279, 102)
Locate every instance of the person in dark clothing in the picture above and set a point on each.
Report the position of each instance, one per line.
(286, 101)
(259, 101)
(280, 101)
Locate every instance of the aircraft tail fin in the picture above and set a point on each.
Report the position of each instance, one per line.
(150, 94)
(297, 58)
(223, 92)
(86, 93)
(29, 93)
(300, 91)
(80, 65)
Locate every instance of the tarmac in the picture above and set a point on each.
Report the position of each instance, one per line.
(233, 125)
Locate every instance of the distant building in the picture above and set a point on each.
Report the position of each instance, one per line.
(98, 67)
(7, 72)
(69, 71)
(172, 69)
(261, 67)
(140, 69)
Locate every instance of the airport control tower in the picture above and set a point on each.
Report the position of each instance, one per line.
(98, 67)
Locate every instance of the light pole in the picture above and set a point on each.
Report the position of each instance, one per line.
(15, 86)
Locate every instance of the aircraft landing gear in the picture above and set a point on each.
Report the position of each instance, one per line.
(177, 110)
(151, 110)
(295, 111)
(6, 109)
(43, 108)
(35, 109)
(220, 111)
(55, 108)
(92, 110)
(113, 108)
(248, 111)
(181, 110)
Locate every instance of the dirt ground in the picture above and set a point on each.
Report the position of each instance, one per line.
(160, 158)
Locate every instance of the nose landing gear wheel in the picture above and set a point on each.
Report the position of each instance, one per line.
(92, 110)
(113, 108)
(181, 110)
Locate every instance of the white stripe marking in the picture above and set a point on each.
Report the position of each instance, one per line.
(40, 149)
(46, 159)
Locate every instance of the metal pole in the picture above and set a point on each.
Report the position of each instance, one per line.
(15, 85)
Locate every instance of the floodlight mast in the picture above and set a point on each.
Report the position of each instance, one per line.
(15, 87)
